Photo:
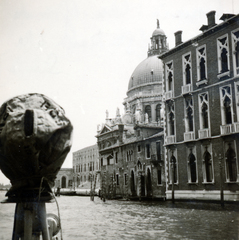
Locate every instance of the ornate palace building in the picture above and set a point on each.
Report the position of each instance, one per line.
(131, 147)
(201, 84)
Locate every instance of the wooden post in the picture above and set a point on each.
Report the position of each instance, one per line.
(140, 185)
(221, 180)
(172, 167)
(104, 187)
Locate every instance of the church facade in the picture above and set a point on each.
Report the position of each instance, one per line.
(130, 146)
(201, 117)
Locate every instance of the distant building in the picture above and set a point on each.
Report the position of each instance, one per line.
(201, 84)
(85, 164)
(131, 146)
(64, 178)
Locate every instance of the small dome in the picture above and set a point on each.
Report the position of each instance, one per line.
(157, 32)
(148, 71)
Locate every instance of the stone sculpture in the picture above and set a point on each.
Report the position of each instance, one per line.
(35, 138)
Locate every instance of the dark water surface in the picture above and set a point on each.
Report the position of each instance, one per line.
(84, 219)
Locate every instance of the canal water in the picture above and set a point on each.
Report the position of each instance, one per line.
(85, 219)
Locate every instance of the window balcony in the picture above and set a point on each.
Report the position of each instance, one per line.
(236, 127)
(203, 133)
(169, 95)
(170, 139)
(186, 88)
(230, 128)
(189, 136)
(221, 75)
(227, 129)
(201, 82)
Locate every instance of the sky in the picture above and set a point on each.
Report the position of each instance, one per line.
(81, 53)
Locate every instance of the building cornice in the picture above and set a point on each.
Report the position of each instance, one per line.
(205, 34)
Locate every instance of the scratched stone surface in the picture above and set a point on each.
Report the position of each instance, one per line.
(35, 138)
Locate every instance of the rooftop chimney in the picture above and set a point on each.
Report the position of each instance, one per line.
(211, 19)
(178, 38)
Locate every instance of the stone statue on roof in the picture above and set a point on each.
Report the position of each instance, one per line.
(107, 114)
(117, 112)
(157, 23)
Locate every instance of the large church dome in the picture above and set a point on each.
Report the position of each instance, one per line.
(143, 103)
(149, 71)
(148, 75)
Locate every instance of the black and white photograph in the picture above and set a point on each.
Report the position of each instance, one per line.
(119, 119)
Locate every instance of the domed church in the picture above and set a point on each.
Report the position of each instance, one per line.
(144, 95)
(131, 153)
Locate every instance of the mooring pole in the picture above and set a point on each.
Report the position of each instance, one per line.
(221, 180)
(172, 171)
(140, 185)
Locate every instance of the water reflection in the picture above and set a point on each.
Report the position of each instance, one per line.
(84, 219)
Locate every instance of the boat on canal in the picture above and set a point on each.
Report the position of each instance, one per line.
(77, 192)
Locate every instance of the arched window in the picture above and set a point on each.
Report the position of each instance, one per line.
(189, 115)
(227, 107)
(148, 150)
(202, 69)
(171, 123)
(192, 167)
(169, 76)
(237, 54)
(159, 176)
(226, 104)
(170, 118)
(173, 163)
(132, 183)
(148, 111)
(201, 63)
(224, 60)
(170, 81)
(190, 119)
(157, 44)
(204, 115)
(235, 50)
(223, 56)
(158, 109)
(231, 164)
(188, 74)
(187, 68)
(63, 182)
(208, 166)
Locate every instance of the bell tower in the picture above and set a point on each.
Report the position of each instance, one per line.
(158, 42)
